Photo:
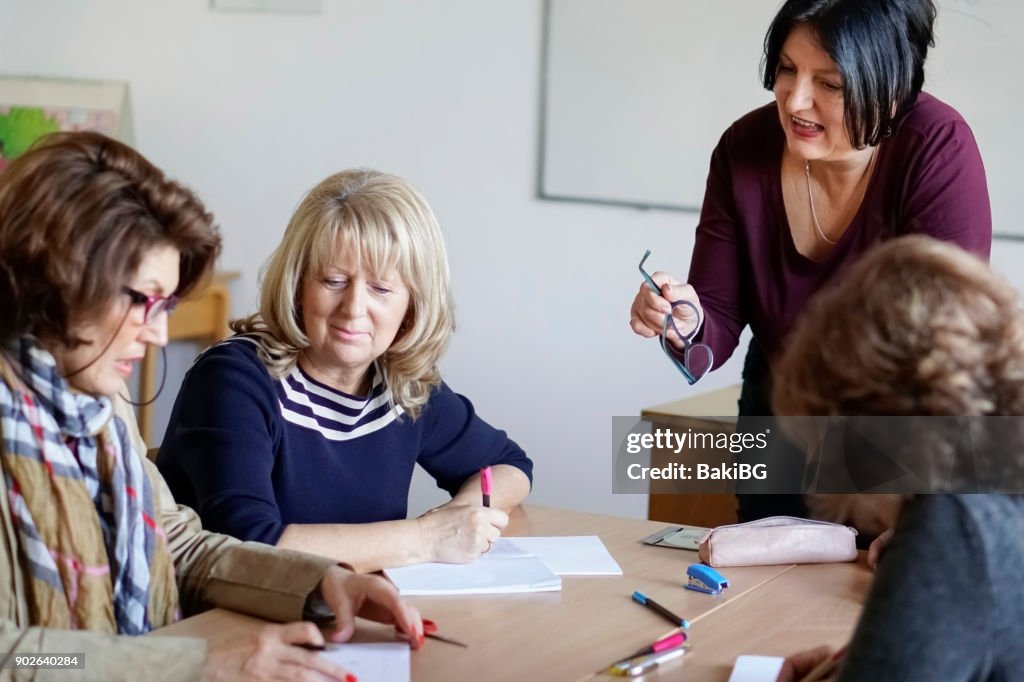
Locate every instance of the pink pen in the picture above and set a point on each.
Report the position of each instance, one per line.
(485, 485)
(673, 640)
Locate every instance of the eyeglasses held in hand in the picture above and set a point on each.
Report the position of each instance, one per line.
(697, 357)
(155, 305)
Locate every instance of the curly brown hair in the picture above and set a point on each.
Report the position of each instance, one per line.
(916, 327)
(78, 212)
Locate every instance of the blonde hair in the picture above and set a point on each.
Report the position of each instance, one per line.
(391, 227)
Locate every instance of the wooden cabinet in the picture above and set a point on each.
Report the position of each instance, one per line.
(710, 413)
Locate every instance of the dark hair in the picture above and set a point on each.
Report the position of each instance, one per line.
(879, 47)
(78, 212)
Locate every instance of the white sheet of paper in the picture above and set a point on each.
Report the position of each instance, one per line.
(569, 555)
(755, 669)
(506, 568)
(373, 662)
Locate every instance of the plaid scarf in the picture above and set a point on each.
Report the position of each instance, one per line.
(81, 503)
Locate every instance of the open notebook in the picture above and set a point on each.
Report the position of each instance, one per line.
(513, 565)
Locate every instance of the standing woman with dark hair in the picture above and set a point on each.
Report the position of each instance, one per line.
(851, 153)
(96, 247)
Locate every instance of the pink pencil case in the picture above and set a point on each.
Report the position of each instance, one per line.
(778, 540)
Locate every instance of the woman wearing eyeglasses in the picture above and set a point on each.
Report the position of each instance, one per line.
(96, 246)
(851, 152)
(304, 429)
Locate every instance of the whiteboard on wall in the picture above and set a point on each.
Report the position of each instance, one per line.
(637, 93)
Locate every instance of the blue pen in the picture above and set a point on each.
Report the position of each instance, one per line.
(641, 598)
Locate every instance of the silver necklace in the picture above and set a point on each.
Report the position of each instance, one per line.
(810, 199)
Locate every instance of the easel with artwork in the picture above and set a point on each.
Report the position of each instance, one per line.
(32, 107)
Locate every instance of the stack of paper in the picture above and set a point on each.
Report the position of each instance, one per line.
(505, 568)
(512, 565)
(570, 554)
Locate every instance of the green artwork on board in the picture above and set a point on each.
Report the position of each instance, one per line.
(20, 127)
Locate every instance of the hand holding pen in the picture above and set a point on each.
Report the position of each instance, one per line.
(815, 664)
(827, 667)
(459, 533)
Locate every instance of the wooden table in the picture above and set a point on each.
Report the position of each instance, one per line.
(713, 412)
(568, 635)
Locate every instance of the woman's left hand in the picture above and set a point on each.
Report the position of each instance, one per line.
(371, 597)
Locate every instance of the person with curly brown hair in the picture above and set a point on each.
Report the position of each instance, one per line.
(923, 330)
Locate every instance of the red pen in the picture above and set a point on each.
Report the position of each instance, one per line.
(485, 485)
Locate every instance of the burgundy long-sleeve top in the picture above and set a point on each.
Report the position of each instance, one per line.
(928, 179)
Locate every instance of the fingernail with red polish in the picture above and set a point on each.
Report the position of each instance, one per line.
(351, 678)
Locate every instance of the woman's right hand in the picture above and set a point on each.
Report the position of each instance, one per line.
(647, 314)
(272, 653)
(459, 534)
(798, 666)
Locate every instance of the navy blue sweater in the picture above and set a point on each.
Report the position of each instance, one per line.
(252, 454)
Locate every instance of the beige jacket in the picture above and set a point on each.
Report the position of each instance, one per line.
(212, 570)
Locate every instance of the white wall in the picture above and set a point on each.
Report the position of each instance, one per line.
(251, 110)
